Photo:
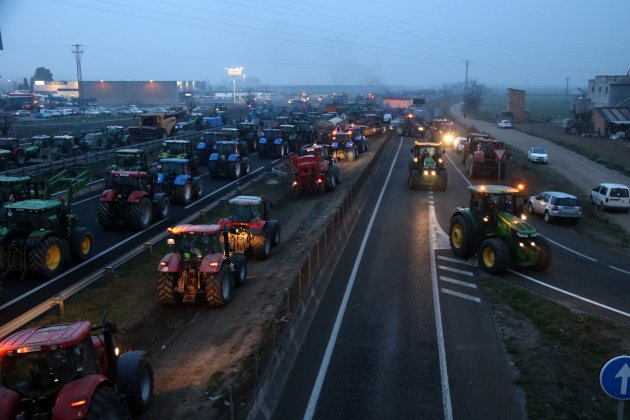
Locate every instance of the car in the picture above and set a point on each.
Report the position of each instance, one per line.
(555, 205)
(460, 144)
(608, 196)
(123, 110)
(104, 111)
(504, 124)
(537, 155)
(91, 112)
(22, 113)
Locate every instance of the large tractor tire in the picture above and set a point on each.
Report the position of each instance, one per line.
(414, 179)
(81, 243)
(262, 244)
(235, 169)
(494, 256)
(240, 269)
(544, 256)
(183, 193)
(162, 209)
(105, 404)
(142, 397)
(219, 287)
(330, 183)
(461, 236)
(167, 289)
(198, 189)
(351, 154)
(274, 226)
(47, 257)
(140, 214)
(105, 215)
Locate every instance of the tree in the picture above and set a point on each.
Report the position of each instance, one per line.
(6, 120)
(472, 96)
(42, 73)
(25, 85)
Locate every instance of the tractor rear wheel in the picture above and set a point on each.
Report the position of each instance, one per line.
(105, 404)
(47, 258)
(183, 193)
(80, 243)
(262, 244)
(274, 225)
(140, 214)
(544, 255)
(235, 169)
(494, 256)
(141, 400)
(163, 208)
(167, 289)
(330, 183)
(351, 154)
(240, 269)
(105, 216)
(461, 235)
(219, 287)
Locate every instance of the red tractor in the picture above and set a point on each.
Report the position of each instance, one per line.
(131, 201)
(199, 266)
(250, 230)
(315, 169)
(63, 372)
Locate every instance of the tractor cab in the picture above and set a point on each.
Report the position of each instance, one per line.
(487, 201)
(33, 215)
(427, 155)
(195, 241)
(245, 209)
(130, 159)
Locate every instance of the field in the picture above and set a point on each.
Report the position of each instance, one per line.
(542, 107)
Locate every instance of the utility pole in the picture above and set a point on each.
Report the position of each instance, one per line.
(566, 93)
(77, 55)
(466, 79)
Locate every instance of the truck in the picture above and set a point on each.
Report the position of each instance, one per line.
(153, 126)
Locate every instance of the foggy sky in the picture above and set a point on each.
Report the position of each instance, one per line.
(281, 42)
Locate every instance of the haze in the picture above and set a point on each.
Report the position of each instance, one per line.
(281, 42)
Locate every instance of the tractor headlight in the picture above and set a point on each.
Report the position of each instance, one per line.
(433, 173)
(415, 160)
(426, 172)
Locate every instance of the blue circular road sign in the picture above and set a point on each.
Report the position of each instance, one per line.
(615, 377)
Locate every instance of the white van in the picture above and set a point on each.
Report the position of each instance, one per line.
(611, 196)
(67, 111)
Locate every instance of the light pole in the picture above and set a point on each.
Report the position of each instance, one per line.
(234, 71)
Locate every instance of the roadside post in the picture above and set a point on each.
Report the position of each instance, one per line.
(499, 156)
(614, 379)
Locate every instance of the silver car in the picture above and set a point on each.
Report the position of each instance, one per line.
(555, 205)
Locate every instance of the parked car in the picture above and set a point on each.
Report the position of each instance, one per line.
(123, 110)
(537, 155)
(504, 124)
(611, 196)
(22, 113)
(555, 205)
(460, 143)
(91, 112)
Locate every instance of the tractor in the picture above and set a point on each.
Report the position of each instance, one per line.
(248, 132)
(228, 160)
(130, 160)
(64, 146)
(271, 144)
(314, 169)
(426, 167)
(250, 229)
(64, 372)
(480, 159)
(413, 126)
(18, 153)
(39, 235)
(112, 137)
(344, 146)
(131, 201)
(199, 266)
(18, 188)
(183, 149)
(494, 228)
(357, 133)
(175, 179)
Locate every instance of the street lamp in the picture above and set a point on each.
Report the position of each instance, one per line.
(234, 71)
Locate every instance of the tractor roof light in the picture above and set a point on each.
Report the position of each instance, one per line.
(520, 187)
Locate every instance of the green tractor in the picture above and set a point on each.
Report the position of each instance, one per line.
(426, 167)
(494, 228)
(39, 235)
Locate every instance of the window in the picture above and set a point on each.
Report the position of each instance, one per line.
(606, 89)
(603, 190)
(600, 89)
(573, 202)
(619, 192)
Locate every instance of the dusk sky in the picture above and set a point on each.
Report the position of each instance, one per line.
(411, 43)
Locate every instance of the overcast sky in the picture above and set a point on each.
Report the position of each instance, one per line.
(518, 44)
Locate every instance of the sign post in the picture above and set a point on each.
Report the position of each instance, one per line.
(499, 156)
(615, 380)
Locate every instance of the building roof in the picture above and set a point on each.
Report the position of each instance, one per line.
(615, 115)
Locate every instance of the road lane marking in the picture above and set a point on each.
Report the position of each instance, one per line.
(319, 381)
(460, 295)
(455, 270)
(619, 269)
(571, 250)
(566, 292)
(457, 169)
(472, 263)
(459, 282)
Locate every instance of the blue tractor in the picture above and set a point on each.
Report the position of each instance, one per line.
(271, 144)
(175, 178)
(228, 160)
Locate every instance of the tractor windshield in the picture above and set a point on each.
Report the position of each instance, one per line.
(127, 183)
(225, 148)
(30, 221)
(175, 148)
(38, 373)
(172, 167)
(196, 246)
(127, 160)
(502, 202)
(241, 213)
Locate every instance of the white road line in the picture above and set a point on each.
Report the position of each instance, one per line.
(319, 382)
(557, 289)
(459, 282)
(457, 169)
(461, 295)
(472, 263)
(619, 269)
(439, 329)
(571, 250)
(455, 270)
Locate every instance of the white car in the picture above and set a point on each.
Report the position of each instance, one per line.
(504, 124)
(537, 155)
(91, 112)
(460, 143)
(611, 196)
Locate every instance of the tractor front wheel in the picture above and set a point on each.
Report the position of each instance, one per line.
(219, 287)
(240, 269)
(140, 401)
(81, 243)
(460, 236)
(262, 244)
(46, 258)
(105, 404)
(167, 289)
(494, 256)
(183, 193)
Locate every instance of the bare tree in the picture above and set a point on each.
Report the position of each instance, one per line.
(6, 121)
